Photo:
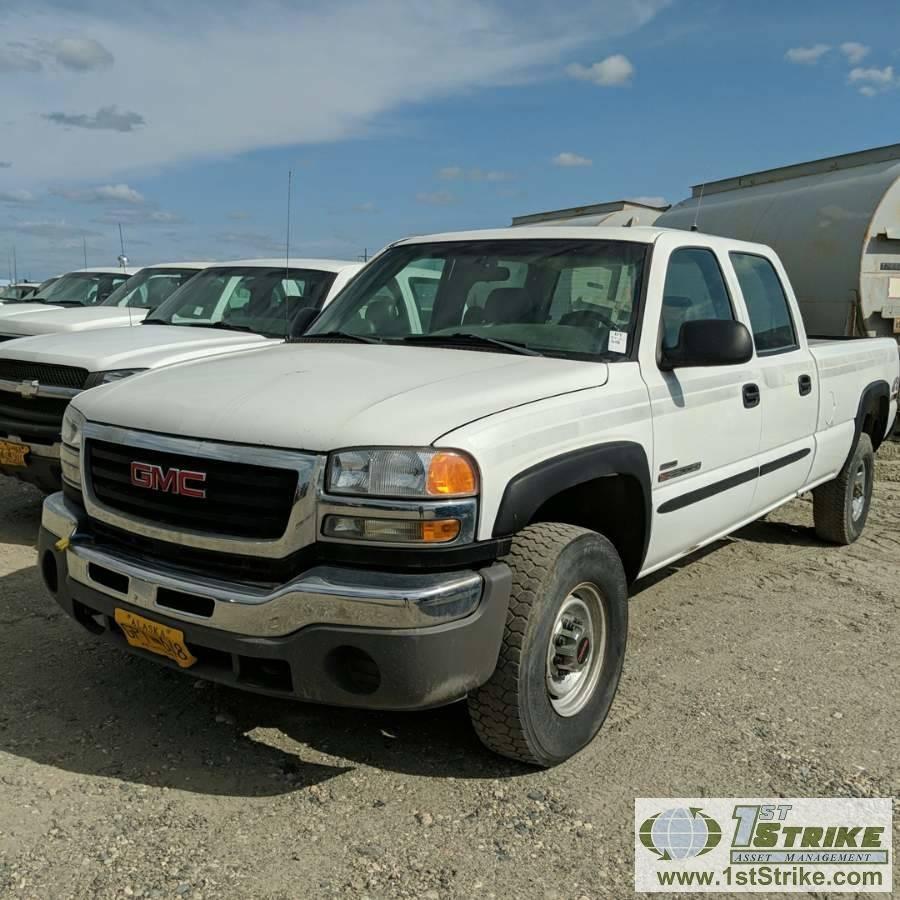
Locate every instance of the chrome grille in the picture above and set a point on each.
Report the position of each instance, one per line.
(241, 499)
(43, 373)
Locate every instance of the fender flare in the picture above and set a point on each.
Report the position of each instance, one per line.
(526, 492)
(871, 394)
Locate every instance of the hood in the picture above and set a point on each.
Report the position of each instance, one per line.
(8, 310)
(82, 318)
(141, 347)
(320, 397)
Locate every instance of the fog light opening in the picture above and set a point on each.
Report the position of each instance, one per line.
(353, 670)
(50, 572)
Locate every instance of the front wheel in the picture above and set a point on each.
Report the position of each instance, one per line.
(563, 646)
(841, 507)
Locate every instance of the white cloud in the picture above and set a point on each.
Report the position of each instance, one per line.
(16, 198)
(16, 59)
(81, 54)
(139, 216)
(650, 201)
(855, 52)
(435, 198)
(873, 81)
(59, 229)
(457, 173)
(107, 193)
(807, 56)
(367, 207)
(163, 102)
(571, 160)
(107, 118)
(614, 71)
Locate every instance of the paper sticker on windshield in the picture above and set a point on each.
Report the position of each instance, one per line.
(618, 342)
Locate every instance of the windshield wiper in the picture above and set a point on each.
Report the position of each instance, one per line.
(156, 322)
(225, 326)
(461, 338)
(337, 335)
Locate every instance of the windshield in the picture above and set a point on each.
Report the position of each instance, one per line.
(16, 291)
(262, 300)
(149, 288)
(80, 288)
(572, 298)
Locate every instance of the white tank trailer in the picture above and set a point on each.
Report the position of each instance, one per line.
(834, 222)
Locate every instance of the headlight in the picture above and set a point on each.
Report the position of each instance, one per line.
(97, 378)
(401, 472)
(72, 426)
(70, 452)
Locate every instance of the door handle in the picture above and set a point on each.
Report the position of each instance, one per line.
(804, 383)
(751, 395)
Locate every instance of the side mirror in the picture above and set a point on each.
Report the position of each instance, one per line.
(303, 320)
(709, 342)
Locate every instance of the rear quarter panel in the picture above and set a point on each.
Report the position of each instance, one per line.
(846, 369)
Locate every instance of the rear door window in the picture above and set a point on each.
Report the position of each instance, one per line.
(767, 304)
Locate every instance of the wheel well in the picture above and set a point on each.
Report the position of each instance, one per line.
(612, 505)
(875, 418)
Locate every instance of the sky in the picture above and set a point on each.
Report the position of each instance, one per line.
(180, 119)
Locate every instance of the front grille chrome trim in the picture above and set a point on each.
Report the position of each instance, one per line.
(301, 527)
(23, 389)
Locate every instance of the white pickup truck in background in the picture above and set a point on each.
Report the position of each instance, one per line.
(399, 511)
(82, 287)
(128, 304)
(229, 306)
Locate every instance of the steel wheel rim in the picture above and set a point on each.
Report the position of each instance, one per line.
(858, 495)
(576, 650)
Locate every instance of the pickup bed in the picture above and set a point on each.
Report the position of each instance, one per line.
(230, 306)
(404, 508)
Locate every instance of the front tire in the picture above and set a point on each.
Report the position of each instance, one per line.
(563, 646)
(841, 507)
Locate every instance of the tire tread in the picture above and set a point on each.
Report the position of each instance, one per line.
(493, 708)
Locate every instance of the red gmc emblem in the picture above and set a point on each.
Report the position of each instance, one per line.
(173, 481)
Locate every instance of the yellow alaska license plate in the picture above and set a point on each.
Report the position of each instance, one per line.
(147, 635)
(13, 454)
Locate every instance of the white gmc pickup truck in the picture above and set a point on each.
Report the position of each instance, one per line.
(401, 510)
(228, 306)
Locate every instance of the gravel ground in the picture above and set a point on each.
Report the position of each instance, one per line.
(766, 665)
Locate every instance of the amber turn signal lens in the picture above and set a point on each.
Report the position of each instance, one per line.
(451, 475)
(441, 531)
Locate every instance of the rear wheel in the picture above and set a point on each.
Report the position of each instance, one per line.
(841, 507)
(563, 646)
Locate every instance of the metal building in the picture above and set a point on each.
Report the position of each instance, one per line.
(616, 212)
(834, 222)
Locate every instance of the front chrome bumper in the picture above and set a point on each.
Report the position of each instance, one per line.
(323, 595)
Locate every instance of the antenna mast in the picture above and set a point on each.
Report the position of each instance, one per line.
(695, 226)
(123, 259)
(84, 249)
(287, 256)
(15, 266)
